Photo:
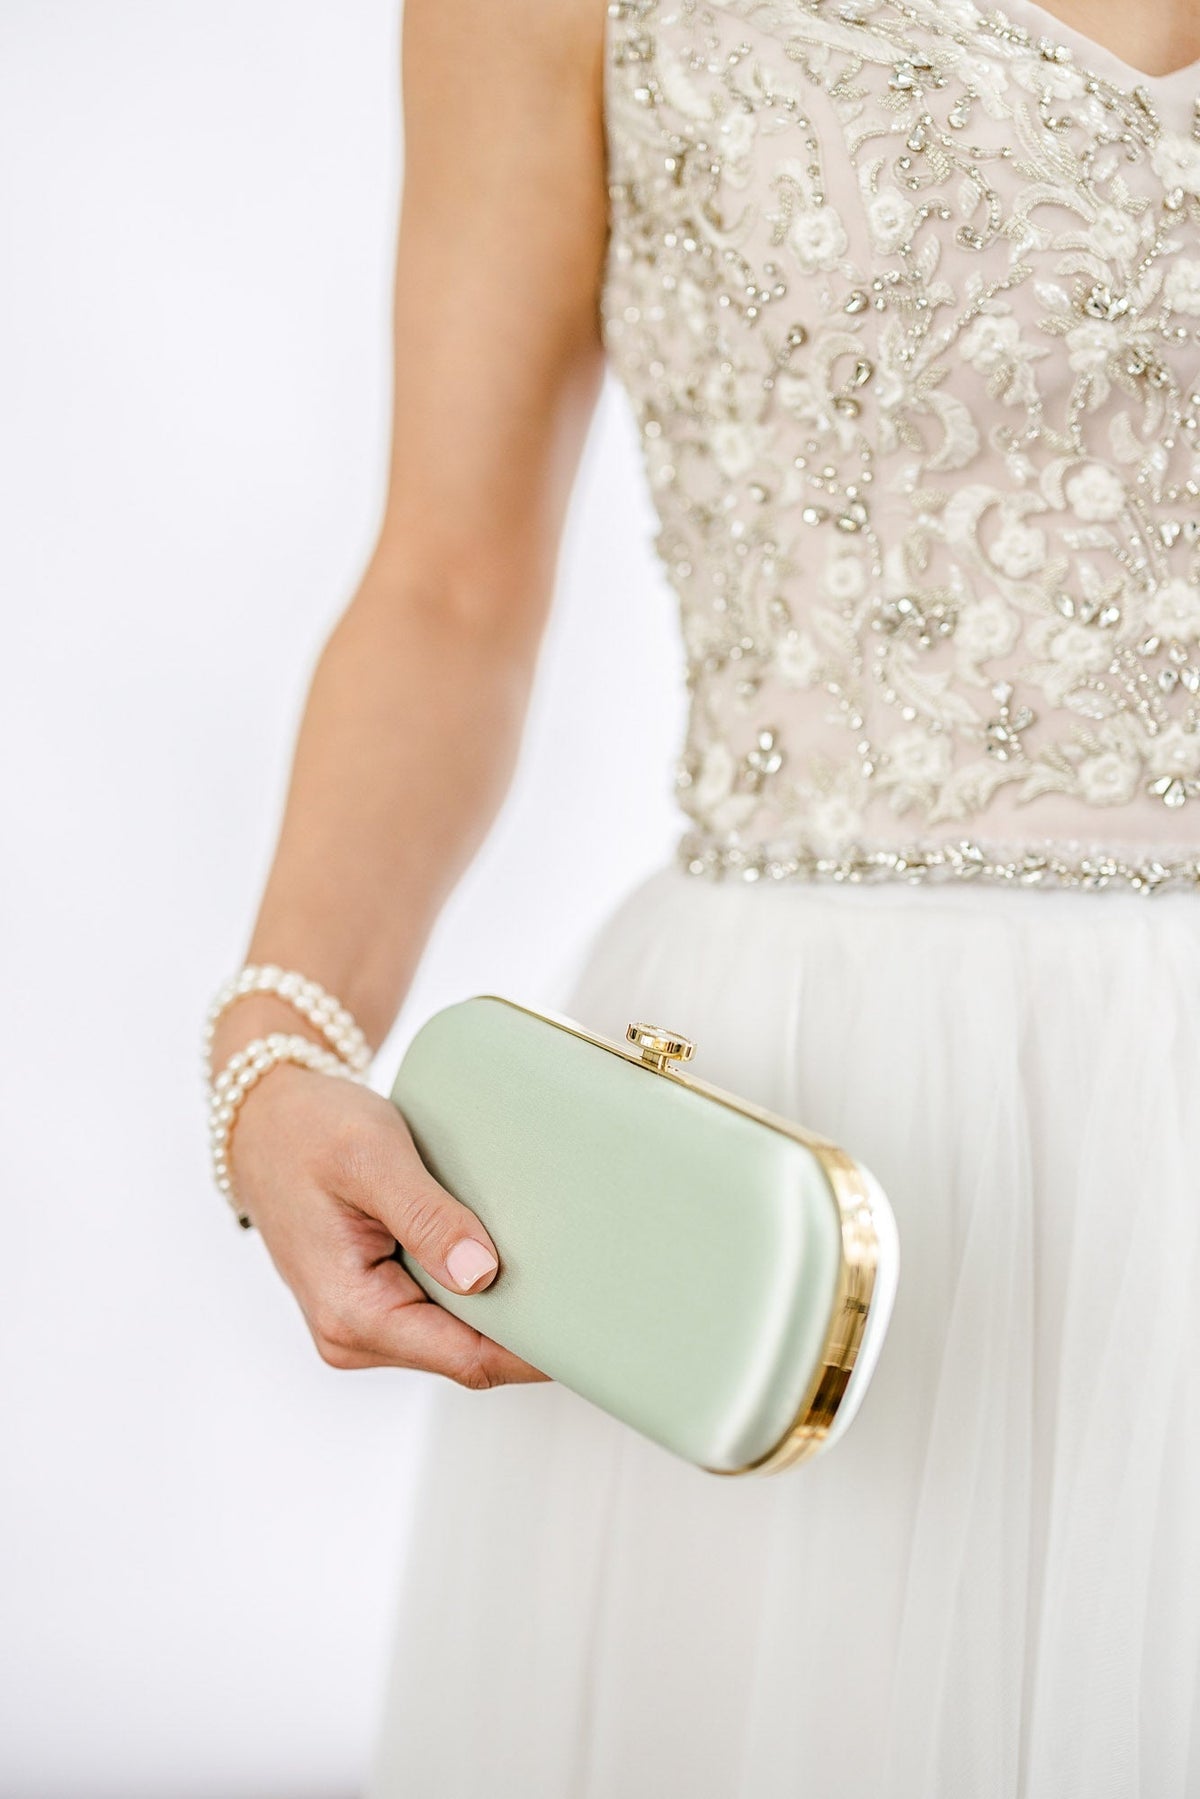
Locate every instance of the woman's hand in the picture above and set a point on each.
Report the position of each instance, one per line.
(328, 1173)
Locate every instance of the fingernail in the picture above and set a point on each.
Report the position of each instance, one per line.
(468, 1260)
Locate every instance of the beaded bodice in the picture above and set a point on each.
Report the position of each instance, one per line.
(906, 298)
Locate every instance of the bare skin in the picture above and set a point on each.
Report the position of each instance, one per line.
(414, 714)
(1157, 37)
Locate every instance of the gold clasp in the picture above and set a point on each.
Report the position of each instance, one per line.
(660, 1048)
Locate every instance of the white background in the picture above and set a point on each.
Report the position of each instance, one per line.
(201, 1525)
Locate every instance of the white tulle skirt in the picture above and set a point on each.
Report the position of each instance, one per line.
(991, 1585)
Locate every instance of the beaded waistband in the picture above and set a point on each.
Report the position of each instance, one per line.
(1048, 865)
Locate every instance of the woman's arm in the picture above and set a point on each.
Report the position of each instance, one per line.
(415, 710)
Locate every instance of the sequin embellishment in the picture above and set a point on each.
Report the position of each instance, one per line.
(907, 305)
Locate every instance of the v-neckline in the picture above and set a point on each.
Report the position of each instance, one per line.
(1085, 49)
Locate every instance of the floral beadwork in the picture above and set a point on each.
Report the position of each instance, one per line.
(907, 304)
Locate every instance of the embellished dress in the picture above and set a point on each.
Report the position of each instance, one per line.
(905, 295)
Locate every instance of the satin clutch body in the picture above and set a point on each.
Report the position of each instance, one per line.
(713, 1275)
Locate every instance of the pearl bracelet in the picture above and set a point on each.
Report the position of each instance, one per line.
(243, 1071)
(338, 1027)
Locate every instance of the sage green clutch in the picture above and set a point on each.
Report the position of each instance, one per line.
(713, 1275)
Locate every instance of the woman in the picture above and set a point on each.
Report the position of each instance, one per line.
(906, 298)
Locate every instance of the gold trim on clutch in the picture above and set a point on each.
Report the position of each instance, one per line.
(859, 1261)
(852, 1302)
